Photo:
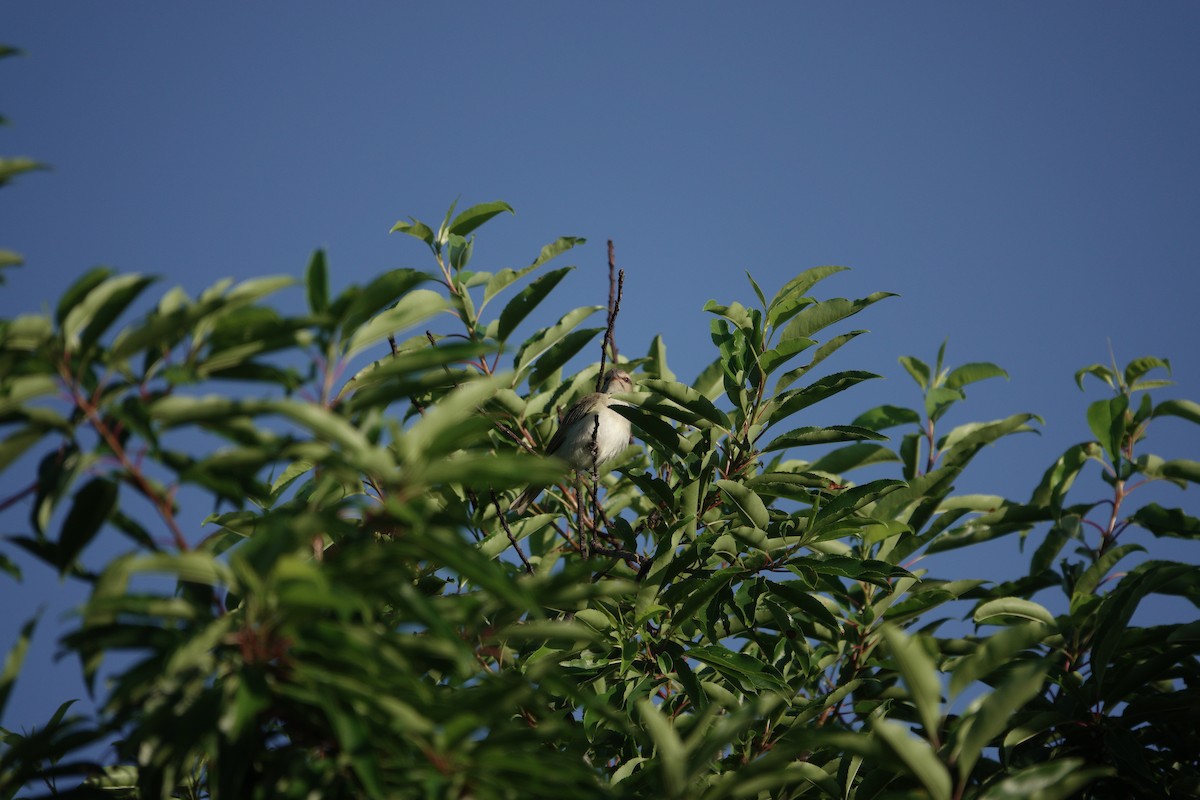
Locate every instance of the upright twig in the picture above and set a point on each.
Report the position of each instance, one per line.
(616, 285)
(504, 524)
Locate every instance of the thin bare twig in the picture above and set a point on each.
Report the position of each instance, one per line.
(504, 524)
(615, 288)
(16, 498)
(162, 502)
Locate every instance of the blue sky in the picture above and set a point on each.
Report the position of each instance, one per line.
(1025, 175)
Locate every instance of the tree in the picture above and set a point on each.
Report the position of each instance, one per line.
(364, 618)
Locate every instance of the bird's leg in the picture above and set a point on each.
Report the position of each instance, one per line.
(585, 541)
(594, 446)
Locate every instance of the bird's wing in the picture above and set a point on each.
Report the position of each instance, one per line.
(574, 414)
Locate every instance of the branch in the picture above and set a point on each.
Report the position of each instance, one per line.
(615, 289)
(504, 523)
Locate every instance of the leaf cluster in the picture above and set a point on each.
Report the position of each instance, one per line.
(725, 613)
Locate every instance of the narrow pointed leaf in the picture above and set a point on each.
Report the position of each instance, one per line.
(748, 504)
(526, 300)
(920, 674)
(92, 505)
(475, 216)
(802, 437)
(917, 755)
(973, 373)
(823, 314)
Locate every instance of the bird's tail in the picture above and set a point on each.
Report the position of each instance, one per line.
(522, 503)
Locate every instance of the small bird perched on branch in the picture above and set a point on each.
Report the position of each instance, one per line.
(579, 441)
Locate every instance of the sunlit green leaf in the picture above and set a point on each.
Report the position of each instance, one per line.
(802, 437)
(1006, 608)
(748, 504)
(920, 675)
(546, 338)
(526, 300)
(475, 216)
(972, 373)
(917, 755)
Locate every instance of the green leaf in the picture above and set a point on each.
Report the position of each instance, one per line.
(939, 400)
(853, 456)
(416, 229)
(884, 417)
(507, 276)
(1135, 369)
(11, 167)
(526, 300)
(389, 289)
(1118, 606)
(460, 251)
(823, 314)
(802, 437)
(961, 445)
(994, 652)
(748, 504)
(758, 292)
(670, 752)
(413, 308)
(775, 358)
(91, 506)
(80, 289)
(1106, 418)
(14, 660)
(1090, 580)
(920, 675)
(918, 369)
(972, 373)
(744, 670)
(1100, 371)
(655, 364)
(475, 216)
(822, 352)
(1185, 409)
(452, 421)
(806, 603)
(316, 280)
(546, 338)
(1181, 469)
(1166, 521)
(1059, 478)
(988, 717)
(562, 352)
(1004, 608)
(917, 755)
(688, 398)
(795, 288)
(24, 388)
(1051, 780)
(791, 401)
(656, 432)
(850, 500)
(87, 321)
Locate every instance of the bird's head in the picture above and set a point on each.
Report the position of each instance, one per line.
(617, 380)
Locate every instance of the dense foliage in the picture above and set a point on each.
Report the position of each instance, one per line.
(720, 616)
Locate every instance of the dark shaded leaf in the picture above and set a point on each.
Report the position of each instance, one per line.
(92, 505)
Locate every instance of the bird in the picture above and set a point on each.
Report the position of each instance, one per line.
(573, 441)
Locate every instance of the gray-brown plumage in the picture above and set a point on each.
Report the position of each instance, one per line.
(573, 440)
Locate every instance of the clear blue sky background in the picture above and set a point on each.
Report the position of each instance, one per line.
(1025, 175)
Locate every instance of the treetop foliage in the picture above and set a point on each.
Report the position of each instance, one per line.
(723, 613)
